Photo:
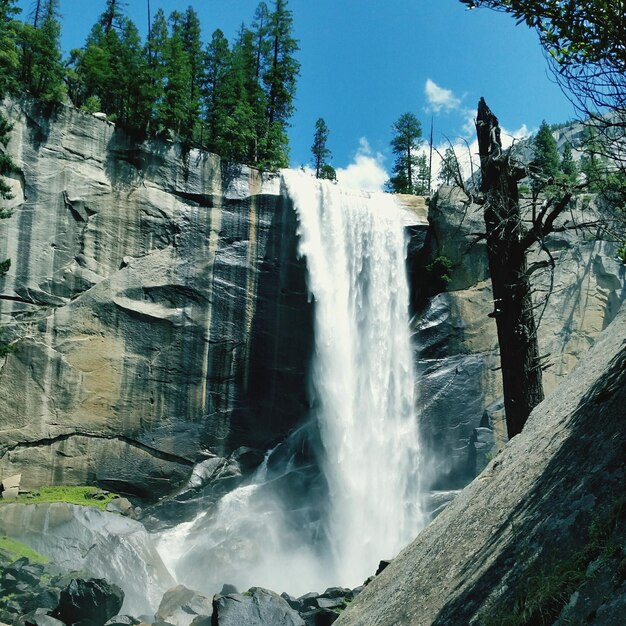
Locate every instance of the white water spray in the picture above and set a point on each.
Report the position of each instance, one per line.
(362, 384)
(362, 371)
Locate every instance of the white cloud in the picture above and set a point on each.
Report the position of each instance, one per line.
(466, 151)
(439, 98)
(366, 172)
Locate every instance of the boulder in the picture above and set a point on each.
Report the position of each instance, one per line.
(38, 617)
(123, 506)
(123, 620)
(319, 617)
(256, 607)
(180, 606)
(92, 601)
(99, 543)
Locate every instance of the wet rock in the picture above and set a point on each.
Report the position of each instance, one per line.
(294, 603)
(337, 592)
(99, 543)
(180, 606)
(257, 607)
(123, 620)
(228, 589)
(38, 617)
(319, 617)
(381, 566)
(93, 600)
(123, 506)
(308, 599)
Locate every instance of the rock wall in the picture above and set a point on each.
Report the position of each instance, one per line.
(458, 362)
(540, 536)
(155, 303)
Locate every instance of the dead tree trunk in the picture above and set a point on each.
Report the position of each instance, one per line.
(507, 242)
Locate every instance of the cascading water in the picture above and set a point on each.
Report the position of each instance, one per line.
(362, 371)
(362, 398)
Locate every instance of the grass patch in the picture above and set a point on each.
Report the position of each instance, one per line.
(16, 550)
(85, 496)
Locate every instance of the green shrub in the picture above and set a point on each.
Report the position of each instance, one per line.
(438, 274)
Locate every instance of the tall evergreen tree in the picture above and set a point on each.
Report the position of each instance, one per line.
(320, 151)
(173, 112)
(156, 51)
(236, 138)
(192, 44)
(113, 15)
(405, 144)
(113, 70)
(568, 167)
(280, 84)
(9, 61)
(218, 63)
(262, 42)
(449, 172)
(546, 162)
(47, 72)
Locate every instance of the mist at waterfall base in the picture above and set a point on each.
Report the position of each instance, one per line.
(343, 491)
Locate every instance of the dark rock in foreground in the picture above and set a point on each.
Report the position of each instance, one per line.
(92, 601)
(257, 607)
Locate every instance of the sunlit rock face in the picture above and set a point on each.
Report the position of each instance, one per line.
(95, 542)
(460, 388)
(157, 307)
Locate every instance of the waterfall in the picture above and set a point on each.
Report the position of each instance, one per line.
(289, 529)
(362, 374)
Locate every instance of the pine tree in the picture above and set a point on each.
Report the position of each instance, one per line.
(218, 64)
(262, 43)
(449, 172)
(235, 119)
(546, 162)
(9, 61)
(569, 169)
(173, 112)
(421, 186)
(280, 85)
(320, 151)
(192, 44)
(134, 107)
(156, 49)
(112, 71)
(112, 16)
(408, 167)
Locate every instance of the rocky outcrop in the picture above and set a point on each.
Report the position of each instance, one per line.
(540, 533)
(460, 385)
(157, 308)
(99, 543)
(257, 607)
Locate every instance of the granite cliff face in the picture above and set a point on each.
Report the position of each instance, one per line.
(156, 305)
(160, 320)
(458, 362)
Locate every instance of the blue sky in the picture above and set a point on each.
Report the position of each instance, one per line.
(365, 62)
